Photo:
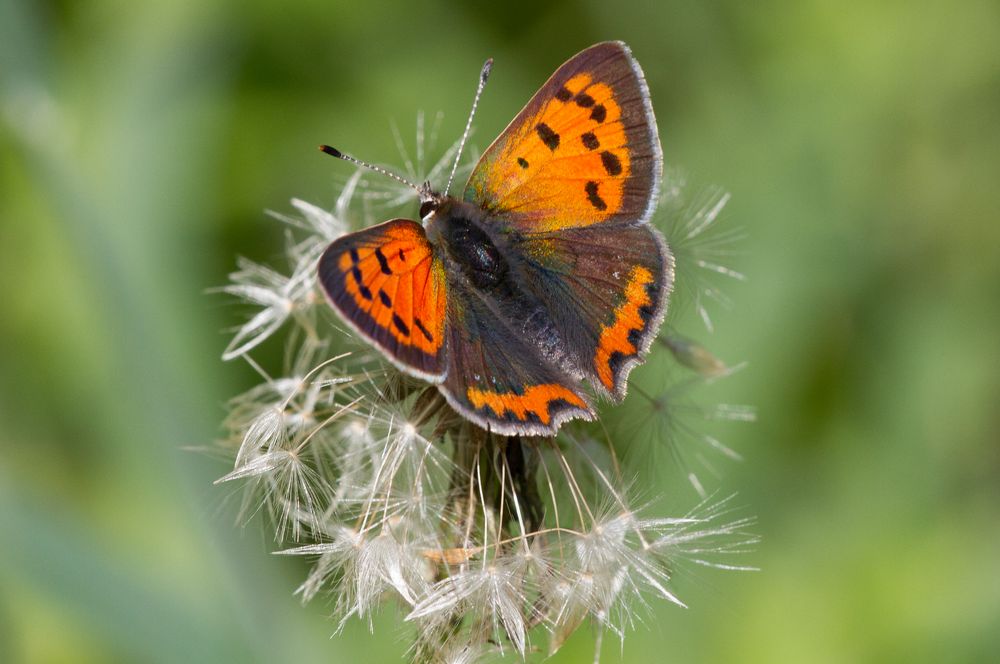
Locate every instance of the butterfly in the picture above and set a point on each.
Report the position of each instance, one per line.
(544, 277)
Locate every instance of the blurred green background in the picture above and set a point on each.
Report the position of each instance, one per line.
(141, 141)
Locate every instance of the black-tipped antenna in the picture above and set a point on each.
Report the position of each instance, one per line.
(334, 152)
(483, 75)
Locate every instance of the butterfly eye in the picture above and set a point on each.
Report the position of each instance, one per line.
(427, 207)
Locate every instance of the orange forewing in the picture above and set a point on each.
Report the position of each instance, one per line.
(584, 150)
(386, 282)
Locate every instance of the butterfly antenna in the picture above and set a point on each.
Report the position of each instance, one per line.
(423, 190)
(483, 75)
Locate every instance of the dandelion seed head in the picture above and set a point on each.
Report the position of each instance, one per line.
(490, 545)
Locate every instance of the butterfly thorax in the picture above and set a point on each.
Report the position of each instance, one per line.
(456, 228)
(475, 251)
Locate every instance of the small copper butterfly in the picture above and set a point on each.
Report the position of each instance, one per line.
(544, 275)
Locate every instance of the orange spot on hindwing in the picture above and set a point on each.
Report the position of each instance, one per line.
(619, 339)
(535, 400)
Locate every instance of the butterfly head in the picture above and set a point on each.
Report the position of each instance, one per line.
(430, 201)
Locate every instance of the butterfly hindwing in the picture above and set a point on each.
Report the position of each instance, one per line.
(500, 381)
(585, 149)
(605, 290)
(387, 283)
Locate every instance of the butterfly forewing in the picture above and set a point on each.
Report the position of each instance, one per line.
(387, 283)
(585, 149)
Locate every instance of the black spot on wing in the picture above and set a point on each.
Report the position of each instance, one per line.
(590, 141)
(599, 113)
(616, 361)
(558, 406)
(530, 417)
(383, 262)
(423, 330)
(611, 163)
(403, 328)
(365, 292)
(522, 162)
(354, 255)
(583, 100)
(549, 137)
(385, 299)
(593, 197)
(563, 94)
